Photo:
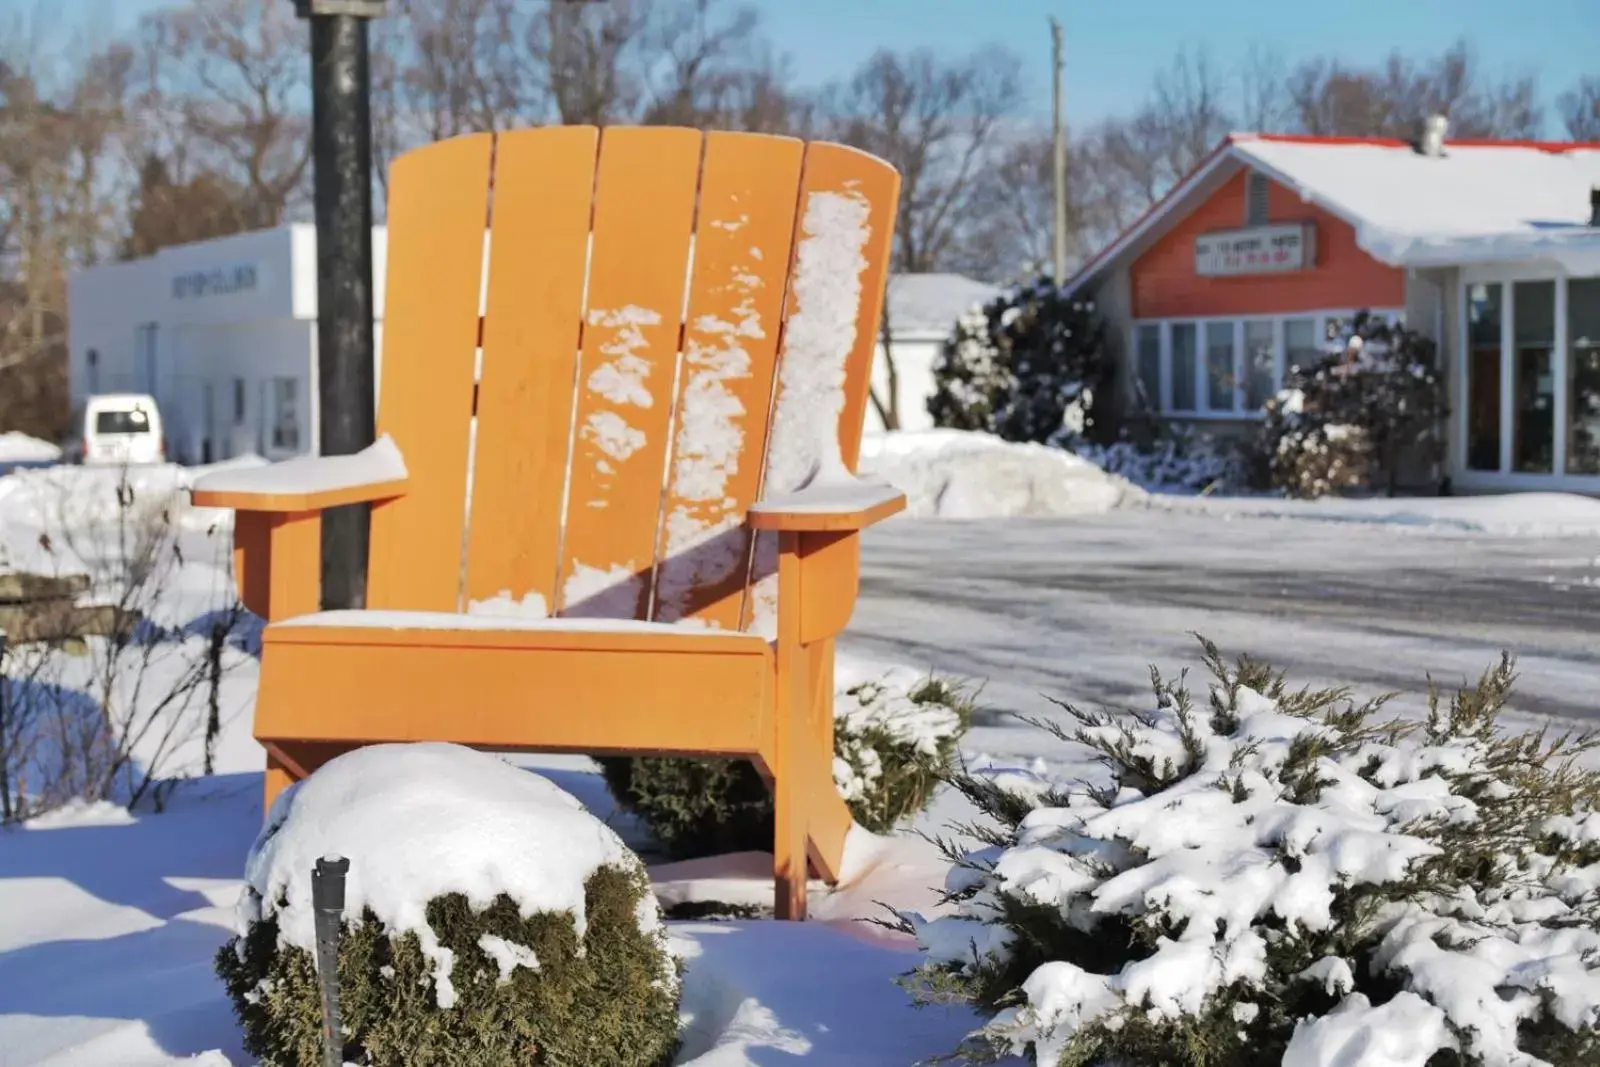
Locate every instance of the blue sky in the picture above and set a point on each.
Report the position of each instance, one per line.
(1113, 48)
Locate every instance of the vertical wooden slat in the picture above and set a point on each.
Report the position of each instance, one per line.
(438, 199)
(644, 210)
(846, 224)
(748, 190)
(538, 247)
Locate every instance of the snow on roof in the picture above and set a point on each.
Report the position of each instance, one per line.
(1481, 201)
(1478, 201)
(931, 303)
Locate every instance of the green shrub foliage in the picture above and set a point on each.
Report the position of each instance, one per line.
(1268, 875)
(1353, 419)
(1031, 365)
(891, 746)
(592, 998)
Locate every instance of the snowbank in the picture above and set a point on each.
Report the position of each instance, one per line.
(1504, 515)
(957, 474)
(18, 447)
(418, 822)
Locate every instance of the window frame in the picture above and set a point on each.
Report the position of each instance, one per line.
(1507, 476)
(276, 424)
(1320, 318)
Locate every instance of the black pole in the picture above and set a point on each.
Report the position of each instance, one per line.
(327, 913)
(341, 141)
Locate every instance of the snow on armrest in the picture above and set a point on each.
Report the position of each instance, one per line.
(313, 482)
(846, 503)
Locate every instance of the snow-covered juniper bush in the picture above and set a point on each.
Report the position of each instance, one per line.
(892, 743)
(1267, 875)
(1030, 365)
(1354, 418)
(489, 921)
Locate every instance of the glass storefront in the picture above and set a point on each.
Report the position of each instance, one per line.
(1531, 377)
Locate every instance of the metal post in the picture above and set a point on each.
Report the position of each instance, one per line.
(1058, 146)
(341, 139)
(327, 910)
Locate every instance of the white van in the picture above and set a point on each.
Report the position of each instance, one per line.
(120, 428)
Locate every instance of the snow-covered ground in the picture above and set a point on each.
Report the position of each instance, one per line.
(108, 921)
(17, 447)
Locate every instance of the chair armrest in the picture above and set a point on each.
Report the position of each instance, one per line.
(313, 483)
(834, 506)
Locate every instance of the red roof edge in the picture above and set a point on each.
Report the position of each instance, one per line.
(1395, 142)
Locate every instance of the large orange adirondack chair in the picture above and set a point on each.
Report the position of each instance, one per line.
(591, 417)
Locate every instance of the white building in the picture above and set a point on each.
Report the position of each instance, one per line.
(223, 334)
(923, 309)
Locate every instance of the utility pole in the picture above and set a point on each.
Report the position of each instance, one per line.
(1058, 144)
(341, 151)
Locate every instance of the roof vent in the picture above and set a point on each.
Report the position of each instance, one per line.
(1594, 206)
(1434, 128)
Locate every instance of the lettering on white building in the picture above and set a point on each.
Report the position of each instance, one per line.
(217, 281)
(1258, 250)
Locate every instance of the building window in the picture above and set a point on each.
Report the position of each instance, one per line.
(1241, 363)
(1183, 366)
(1583, 376)
(1260, 363)
(1258, 188)
(1150, 365)
(238, 401)
(286, 414)
(1300, 348)
(1221, 374)
(1484, 318)
(1533, 385)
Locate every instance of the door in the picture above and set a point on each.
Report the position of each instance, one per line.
(144, 357)
(208, 412)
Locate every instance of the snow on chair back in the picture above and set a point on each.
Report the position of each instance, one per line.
(585, 395)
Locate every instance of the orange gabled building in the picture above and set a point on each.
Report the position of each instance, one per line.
(1259, 258)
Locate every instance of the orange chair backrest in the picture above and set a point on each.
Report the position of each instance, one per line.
(599, 350)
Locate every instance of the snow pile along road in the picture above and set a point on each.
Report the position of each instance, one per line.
(957, 474)
(18, 447)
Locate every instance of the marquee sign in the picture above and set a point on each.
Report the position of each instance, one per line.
(1258, 250)
(217, 281)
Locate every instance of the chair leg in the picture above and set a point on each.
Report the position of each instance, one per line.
(279, 777)
(791, 770)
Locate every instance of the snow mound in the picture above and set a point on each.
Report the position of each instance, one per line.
(420, 821)
(16, 447)
(959, 474)
(1500, 515)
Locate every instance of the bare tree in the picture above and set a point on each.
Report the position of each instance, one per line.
(1264, 104)
(941, 125)
(234, 74)
(465, 70)
(61, 111)
(695, 53)
(1580, 109)
(1393, 98)
(589, 54)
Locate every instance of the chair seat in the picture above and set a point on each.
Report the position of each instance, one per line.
(450, 629)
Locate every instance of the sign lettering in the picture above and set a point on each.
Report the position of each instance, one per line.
(218, 281)
(1258, 250)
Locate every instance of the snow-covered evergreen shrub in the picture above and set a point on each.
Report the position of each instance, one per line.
(1284, 876)
(892, 743)
(489, 920)
(1177, 461)
(1352, 419)
(1030, 365)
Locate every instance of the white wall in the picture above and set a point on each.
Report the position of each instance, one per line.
(224, 358)
(913, 363)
